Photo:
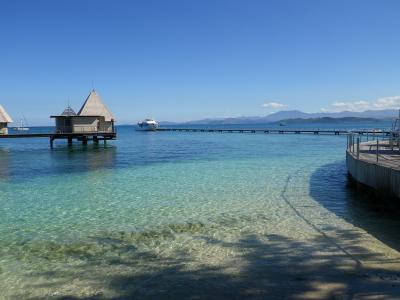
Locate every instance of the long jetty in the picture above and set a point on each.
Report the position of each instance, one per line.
(281, 131)
(84, 137)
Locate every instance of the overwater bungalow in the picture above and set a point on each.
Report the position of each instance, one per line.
(93, 117)
(4, 120)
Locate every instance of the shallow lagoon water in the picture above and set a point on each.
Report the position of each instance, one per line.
(131, 205)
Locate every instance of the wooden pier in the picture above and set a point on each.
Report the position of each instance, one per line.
(282, 131)
(93, 122)
(82, 137)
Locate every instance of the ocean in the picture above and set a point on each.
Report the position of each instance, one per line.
(102, 221)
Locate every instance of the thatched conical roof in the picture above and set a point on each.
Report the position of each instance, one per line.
(68, 112)
(4, 117)
(94, 106)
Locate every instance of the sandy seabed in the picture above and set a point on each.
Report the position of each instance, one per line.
(304, 252)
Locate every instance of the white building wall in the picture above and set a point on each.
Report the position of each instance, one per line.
(85, 124)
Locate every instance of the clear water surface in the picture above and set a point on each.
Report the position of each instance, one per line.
(58, 203)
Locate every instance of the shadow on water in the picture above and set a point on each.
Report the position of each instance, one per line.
(267, 267)
(332, 187)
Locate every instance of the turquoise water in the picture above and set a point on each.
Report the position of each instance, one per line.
(155, 191)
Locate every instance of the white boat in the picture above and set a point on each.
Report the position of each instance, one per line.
(147, 125)
(21, 126)
(376, 131)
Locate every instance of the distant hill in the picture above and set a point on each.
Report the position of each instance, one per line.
(377, 114)
(296, 114)
(327, 120)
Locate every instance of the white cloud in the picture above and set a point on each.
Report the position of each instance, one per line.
(378, 104)
(273, 105)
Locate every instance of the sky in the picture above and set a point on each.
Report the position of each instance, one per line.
(192, 59)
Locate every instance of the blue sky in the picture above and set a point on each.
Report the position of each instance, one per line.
(191, 59)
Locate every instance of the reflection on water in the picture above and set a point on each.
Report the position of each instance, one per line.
(16, 166)
(4, 164)
(78, 158)
(26, 159)
(358, 205)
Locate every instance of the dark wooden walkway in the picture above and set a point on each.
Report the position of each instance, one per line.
(281, 131)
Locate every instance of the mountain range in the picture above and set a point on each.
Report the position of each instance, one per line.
(295, 114)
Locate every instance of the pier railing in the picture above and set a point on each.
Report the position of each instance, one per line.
(379, 148)
(86, 129)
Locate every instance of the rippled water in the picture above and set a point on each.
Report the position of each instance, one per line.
(156, 190)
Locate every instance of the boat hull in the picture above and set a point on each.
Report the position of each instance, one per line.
(146, 128)
(21, 128)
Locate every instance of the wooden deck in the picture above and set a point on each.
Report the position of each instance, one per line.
(83, 137)
(385, 155)
(375, 164)
(61, 135)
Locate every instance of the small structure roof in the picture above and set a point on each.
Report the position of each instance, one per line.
(94, 106)
(4, 117)
(68, 112)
